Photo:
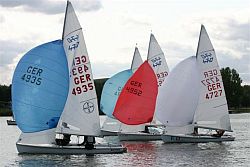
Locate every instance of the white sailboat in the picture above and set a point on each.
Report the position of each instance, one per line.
(80, 115)
(206, 108)
(153, 130)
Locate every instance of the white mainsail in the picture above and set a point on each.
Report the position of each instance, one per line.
(212, 111)
(178, 96)
(80, 115)
(157, 61)
(137, 60)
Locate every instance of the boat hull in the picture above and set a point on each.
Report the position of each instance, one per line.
(138, 137)
(108, 133)
(195, 139)
(70, 149)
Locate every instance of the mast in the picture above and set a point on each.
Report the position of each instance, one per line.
(64, 22)
(199, 41)
(134, 57)
(150, 39)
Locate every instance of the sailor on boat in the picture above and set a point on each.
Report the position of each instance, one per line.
(88, 142)
(64, 141)
(219, 133)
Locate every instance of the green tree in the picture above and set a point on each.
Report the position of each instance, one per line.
(246, 96)
(232, 84)
(5, 93)
(99, 83)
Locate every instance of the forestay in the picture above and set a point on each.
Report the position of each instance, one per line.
(212, 110)
(80, 115)
(178, 96)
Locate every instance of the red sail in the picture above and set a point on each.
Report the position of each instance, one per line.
(136, 103)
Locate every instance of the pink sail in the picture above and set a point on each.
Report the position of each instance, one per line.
(136, 103)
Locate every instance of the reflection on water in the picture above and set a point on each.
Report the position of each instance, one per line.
(156, 153)
(141, 153)
(57, 160)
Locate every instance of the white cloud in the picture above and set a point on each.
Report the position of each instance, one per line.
(112, 31)
(50, 6)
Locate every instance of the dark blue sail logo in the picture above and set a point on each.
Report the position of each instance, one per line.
(73, 40)
(40, 87)
(156, 61)
(207, 58)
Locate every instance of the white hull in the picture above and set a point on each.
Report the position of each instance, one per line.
(138, 136)
(195, 139)
(70, 149)
(44, 143)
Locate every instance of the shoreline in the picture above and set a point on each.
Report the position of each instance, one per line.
(6, 112)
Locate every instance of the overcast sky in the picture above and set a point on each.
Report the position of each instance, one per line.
(112, 28)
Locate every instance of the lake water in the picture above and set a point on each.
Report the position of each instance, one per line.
(236, 153)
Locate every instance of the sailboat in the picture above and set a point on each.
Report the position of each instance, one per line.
(54, 95)
(110, 93)
(197, 99)
(140, 105)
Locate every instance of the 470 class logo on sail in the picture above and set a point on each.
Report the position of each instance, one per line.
(207, 57)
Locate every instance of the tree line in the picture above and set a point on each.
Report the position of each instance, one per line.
(237, 96)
